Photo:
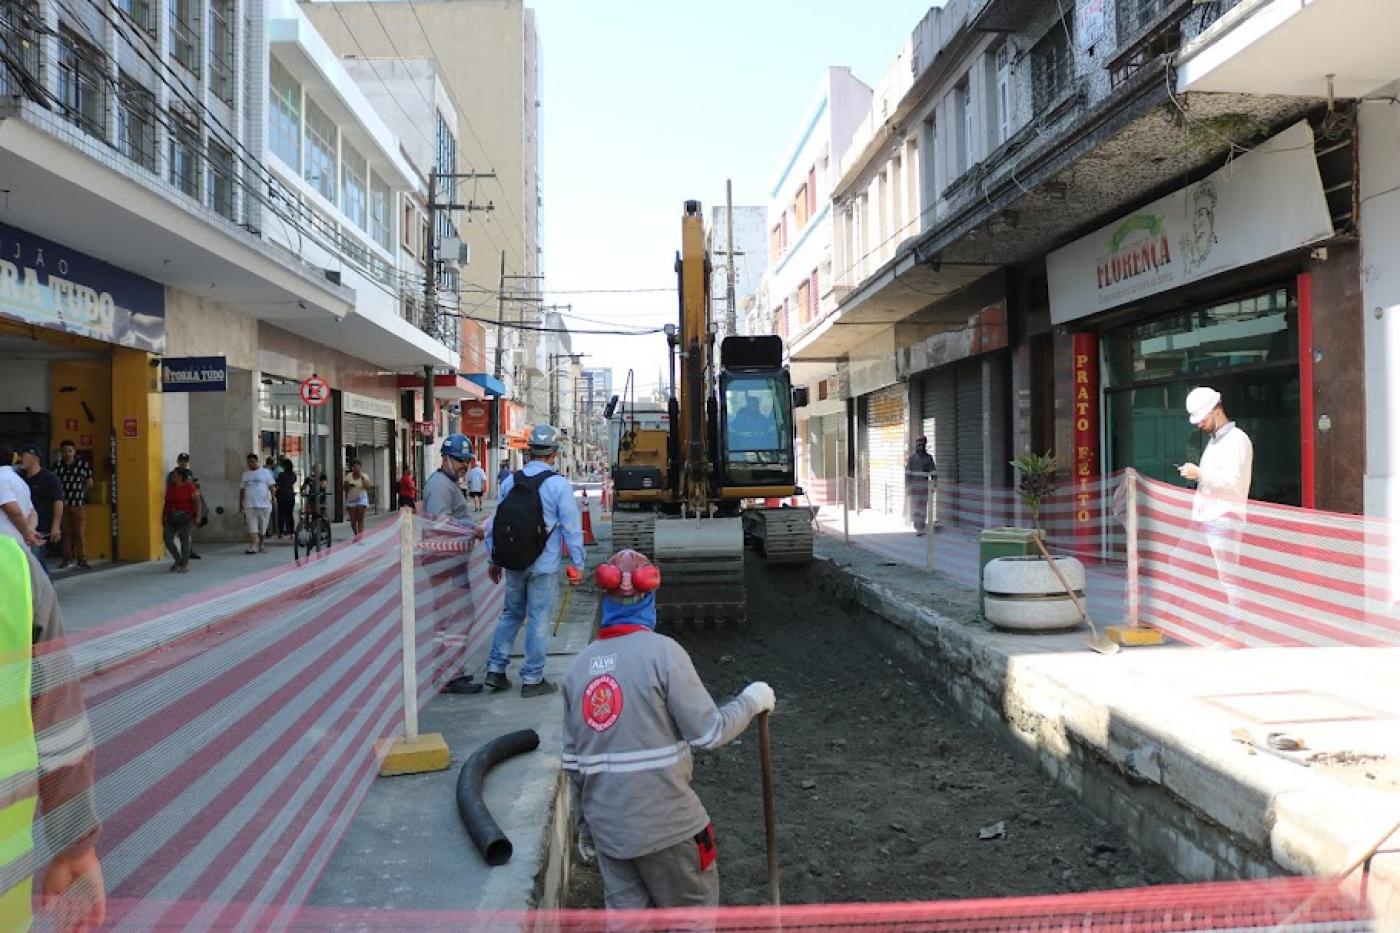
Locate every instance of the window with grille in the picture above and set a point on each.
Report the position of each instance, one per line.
(19, 48)
(447, 164)
(1136, 15)
(184, 154)
(136, 122)
(221, 181)
(140, 12)
(963, 116)
(380, 223)
(284, 114)
(221, 49)
(318, 151)
(799, 208)
(1052, 65)
(1001, 69)
(804, 303)
(184, 33)
(354, 186)
(80, 82)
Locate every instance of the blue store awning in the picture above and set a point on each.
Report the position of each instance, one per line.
(491, 384)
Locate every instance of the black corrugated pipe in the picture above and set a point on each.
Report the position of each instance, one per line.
(490, 841)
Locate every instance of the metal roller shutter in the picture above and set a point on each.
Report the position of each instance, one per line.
(938, 415)
(970, 468)
(883, 421)
(358, 431)
(383, 432)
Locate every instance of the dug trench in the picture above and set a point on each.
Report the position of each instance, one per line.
(884, 792)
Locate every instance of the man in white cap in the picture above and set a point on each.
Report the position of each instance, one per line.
(1222, 486)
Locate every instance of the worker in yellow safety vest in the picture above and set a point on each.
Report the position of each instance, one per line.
(46, 757)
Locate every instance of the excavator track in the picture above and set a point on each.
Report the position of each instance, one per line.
(634, 530)
(701, 561)
(781, 536)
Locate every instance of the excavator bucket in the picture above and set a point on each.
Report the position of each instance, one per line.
(702, 569)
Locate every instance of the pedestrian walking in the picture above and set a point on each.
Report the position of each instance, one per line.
(19, 520)
(46, 492)
(255, 502)
(178, 517)
(270, 465)
(920, 475)
(1222, 478)
(476, 483)
(76, 477)
(356, 498)
(534, 504)
(408, 489)
(182, 461)
(286, 499)
(48, 762)
(501, 475)
(634, 708)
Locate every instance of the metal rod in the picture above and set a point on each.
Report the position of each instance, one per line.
(729, 308)
(770, 816)
(410, 627)
(928, 521)
(846, 509)
(1134, 593)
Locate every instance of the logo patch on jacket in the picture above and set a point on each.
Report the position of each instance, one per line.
(602, 703)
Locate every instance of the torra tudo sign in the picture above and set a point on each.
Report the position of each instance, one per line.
(45, 283)
(194, 374)
(1264, 203)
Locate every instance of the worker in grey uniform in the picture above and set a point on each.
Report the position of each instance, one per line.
(634, 708)
(442, 496)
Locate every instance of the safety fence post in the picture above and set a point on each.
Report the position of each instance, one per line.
(929, 512)
(846, 509)
(1134, 594)
(412, 752)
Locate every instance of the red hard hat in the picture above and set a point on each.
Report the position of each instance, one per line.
(628, 573)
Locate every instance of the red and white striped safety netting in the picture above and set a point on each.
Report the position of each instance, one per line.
(1273, 576)
(235, 732)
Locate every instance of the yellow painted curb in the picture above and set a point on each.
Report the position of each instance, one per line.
(1130, 637)
(429, 753)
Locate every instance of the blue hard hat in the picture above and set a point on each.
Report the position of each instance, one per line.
(457, 446)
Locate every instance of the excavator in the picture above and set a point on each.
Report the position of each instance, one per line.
(690, 484)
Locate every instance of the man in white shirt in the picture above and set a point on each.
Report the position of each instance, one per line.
(476, 483)
(255, 502)
(1222, 487)
(17, 515)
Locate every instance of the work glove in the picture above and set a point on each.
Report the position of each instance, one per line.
(574, 575)
(762, 695)
(586, 849)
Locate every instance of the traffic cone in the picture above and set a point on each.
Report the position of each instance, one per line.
(588, 525)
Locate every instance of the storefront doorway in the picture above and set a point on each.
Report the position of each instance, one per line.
(1246, 349)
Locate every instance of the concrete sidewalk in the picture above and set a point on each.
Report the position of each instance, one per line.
(1147, 737)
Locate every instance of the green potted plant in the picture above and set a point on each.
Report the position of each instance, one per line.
(1036, 481)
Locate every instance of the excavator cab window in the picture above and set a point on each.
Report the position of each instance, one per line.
(757, 430)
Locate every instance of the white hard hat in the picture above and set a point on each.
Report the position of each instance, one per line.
(1200, 402)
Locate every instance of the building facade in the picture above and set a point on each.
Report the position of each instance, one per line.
(798, 284)
(1048, 238)
(240, 200)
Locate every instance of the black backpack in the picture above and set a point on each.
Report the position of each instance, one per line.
(518, 533)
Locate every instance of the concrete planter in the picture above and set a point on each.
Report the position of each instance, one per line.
(1024, 595)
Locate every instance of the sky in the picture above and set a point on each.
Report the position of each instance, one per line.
(648, 103)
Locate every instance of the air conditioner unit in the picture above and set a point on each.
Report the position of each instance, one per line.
(455, 249)
(332, 276)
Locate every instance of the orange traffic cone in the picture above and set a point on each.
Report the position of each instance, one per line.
(588, 521)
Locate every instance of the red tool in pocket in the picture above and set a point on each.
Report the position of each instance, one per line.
(705, 846)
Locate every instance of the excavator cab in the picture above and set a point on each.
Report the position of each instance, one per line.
(756, 428)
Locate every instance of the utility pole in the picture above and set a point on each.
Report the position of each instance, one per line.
(430, 278)
(729, 309)
(500, 357)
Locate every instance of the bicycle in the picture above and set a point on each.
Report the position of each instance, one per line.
(313, 530)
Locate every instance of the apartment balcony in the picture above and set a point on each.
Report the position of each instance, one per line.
(1298, 48)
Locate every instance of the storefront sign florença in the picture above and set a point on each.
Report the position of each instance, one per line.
(1264, 203)
(1085, 463)
(44, 283)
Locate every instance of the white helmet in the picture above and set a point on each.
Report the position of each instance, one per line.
(1200, 402)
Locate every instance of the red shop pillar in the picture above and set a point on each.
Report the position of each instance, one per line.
(1084, 463)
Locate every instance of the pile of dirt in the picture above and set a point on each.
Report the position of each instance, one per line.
(883, 791)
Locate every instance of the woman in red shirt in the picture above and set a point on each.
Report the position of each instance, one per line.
(408, 490)
(179, 516)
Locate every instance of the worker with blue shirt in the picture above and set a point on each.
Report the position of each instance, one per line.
(537, 516)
